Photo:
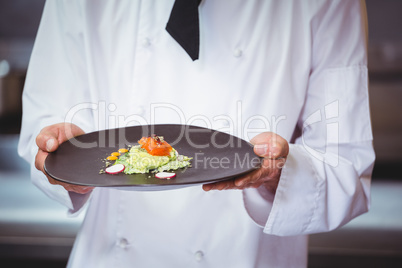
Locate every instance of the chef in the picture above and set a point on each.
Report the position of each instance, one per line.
(289, 76)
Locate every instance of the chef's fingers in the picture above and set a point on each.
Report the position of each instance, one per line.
(40, 160)
(249, 178)
(222, 185)
(81, 189)
(47, 139)
(39, 164)
(270, 145)
(238, 183)
(208, 187)
(71, 187)
(270, 170)
(52, 136)
(230, 185)
(75, 188)
(268, 174)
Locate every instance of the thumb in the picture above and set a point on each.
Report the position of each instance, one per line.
(52, 136)
(51, 144)
(47, 140)
(270, 145)
(269, 150)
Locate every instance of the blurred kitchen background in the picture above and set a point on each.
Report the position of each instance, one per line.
(35, 231)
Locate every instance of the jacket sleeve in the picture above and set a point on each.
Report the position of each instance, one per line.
(54, 89)
(326, 179)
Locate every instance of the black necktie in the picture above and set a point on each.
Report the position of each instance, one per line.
(183, 26)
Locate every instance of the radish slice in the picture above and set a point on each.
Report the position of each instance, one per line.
(165, 175)
(115, 169)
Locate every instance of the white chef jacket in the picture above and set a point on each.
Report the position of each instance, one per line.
(297, 68)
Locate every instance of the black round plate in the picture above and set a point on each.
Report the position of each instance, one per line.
(216, 156)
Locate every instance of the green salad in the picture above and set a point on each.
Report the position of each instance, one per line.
(138, 160)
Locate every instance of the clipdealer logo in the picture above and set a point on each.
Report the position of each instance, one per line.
(107, 119)
(331, 154)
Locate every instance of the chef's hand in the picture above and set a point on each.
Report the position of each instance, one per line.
(274, 149)
(48, 141)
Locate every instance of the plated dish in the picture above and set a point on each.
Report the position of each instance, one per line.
(215, 156)
(151, 154)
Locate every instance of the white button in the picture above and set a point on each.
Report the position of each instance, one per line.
(112, 107)
(123, 243)
(139, 110)
(199, 255)
(146, 42)
(237, 53)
